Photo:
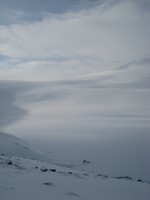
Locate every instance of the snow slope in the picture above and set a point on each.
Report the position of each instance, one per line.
(24, 178)
(14, 146)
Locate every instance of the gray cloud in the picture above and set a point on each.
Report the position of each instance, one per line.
(9, 112)
(19, 11)
(76, 42)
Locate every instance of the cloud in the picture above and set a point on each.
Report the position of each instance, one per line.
(9, 111)
(96, 39)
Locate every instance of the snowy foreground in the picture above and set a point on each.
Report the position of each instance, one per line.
(32, 177)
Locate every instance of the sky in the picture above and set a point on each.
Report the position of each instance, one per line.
(75, 79)
(45, 40)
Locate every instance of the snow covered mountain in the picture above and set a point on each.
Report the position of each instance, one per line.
(23, 176)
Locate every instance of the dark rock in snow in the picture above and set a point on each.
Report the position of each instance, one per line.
(124, 177)
(52, 170)
(49, 184)
(86, 161)
(44, 169)
(8, 162)
(85, 174)
(139, 180)
(99, 174)
(104, 176)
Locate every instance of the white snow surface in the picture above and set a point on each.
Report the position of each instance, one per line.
(23, 177)
(14, 146)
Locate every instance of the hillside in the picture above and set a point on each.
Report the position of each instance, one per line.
(23, 177)
(11, 145)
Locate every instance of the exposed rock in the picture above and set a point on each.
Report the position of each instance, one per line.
(49, 183)
(124, 177)
(86, 161)
(52, 170)
(8, 162)
(139, 180)
(44, 169)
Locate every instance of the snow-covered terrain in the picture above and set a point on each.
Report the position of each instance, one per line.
(14, 146)
(23, 177)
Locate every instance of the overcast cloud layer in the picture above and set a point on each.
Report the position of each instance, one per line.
(74, 43)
